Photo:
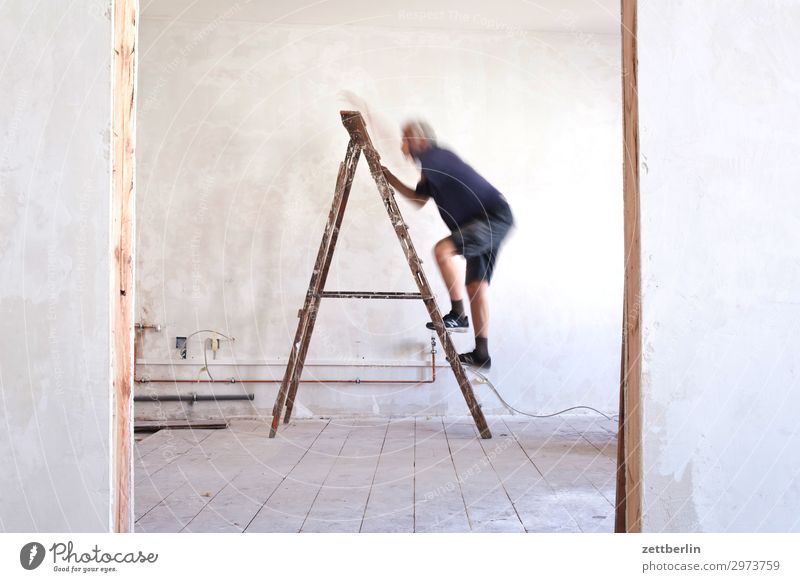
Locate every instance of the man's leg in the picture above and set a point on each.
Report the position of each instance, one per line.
(481, 253)
(478, 292)
(445, 253)
(456, 320)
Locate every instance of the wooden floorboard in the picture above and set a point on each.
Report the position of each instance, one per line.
(267, 463)
(489, 507)
(155, 473)
(379, 475)
(535, 501)
(564, 459)
(340, 503)
(602, 469)
(439, 503)
(286, 509)
(193, 478)
(390, 506)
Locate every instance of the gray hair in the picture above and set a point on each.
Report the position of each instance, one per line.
(420, 129)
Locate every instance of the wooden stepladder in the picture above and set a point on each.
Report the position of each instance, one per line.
(360, 142)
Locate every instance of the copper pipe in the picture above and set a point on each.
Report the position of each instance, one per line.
(430, 380)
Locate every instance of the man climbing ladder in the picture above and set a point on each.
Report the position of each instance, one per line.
(479, 219)
(360, 143)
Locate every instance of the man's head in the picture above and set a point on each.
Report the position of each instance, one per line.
(418, 136)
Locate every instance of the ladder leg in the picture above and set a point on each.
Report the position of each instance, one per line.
(290, 376)
(292, 390)
(458, 369)
(351, 162)
(308, 314)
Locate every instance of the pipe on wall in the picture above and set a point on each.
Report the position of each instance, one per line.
(430, 380)
(192, 397)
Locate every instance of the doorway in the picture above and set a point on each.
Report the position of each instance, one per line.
(126, 23)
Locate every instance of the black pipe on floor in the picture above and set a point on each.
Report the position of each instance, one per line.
(193, 397)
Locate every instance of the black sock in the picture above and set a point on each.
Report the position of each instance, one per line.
(481, 347)
(458, 307)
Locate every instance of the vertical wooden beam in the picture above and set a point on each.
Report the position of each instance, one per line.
(619, 507)
(629, 495)
(122, 238)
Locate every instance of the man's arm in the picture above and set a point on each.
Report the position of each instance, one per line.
(409, 193)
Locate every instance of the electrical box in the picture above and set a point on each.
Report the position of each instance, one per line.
(180, 344)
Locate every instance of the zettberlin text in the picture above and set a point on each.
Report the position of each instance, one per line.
(666, 549)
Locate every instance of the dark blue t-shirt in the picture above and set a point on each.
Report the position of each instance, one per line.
(460, 193)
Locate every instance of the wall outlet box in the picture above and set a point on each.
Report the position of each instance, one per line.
(180, 343)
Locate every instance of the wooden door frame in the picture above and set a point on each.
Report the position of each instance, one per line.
(125, 34)
(629, 451)
(123, 173)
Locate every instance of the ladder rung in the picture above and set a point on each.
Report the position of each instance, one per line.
(371, 295)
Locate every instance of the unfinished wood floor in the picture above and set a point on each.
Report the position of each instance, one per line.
(379, 475)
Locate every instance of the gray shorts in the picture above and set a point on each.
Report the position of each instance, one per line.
(479, 241)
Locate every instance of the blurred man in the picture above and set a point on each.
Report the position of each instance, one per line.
(479, 219)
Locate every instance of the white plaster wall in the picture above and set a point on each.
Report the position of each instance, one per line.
(239, 145)
(719, 87)
(54, 292)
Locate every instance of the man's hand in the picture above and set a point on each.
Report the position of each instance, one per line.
(395, 183)
(391, 178)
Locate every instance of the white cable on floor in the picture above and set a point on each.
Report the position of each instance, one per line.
(485, 380)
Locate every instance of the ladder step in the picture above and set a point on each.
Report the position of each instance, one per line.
(371, 295)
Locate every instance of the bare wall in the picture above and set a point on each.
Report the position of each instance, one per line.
(719, 87)
(55, 90)
(239, 145)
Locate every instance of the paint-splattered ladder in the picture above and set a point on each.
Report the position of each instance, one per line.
(361, 142)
